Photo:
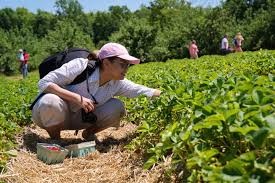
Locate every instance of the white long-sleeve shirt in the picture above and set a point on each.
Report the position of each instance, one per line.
(224, 44)
(64, 75)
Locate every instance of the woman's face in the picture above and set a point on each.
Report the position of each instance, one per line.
(118, 68)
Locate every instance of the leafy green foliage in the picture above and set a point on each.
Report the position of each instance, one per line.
(43, 23)
(215, 117)
(66, 35)
(15, 99)
(68, 8)
(138, 36)
(106, 23)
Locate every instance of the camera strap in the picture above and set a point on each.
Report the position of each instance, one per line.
(88, 90)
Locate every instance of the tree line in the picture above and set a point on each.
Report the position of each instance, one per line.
(157, 32)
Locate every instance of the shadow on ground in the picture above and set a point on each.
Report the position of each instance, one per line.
(30, 139)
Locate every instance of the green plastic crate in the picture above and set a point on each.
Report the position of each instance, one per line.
(82, 149)
(49, 156)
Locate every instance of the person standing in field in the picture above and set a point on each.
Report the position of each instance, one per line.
(193, 50)
(225, 49)
(238, 40)
(20, 58)
(66, 106)
(25, 63)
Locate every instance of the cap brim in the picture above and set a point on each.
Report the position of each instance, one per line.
(131, 59)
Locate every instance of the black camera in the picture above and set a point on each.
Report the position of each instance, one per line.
(88, 117)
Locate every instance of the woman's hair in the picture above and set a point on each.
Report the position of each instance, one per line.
(93, 56)
(111, 59)
(239, 36)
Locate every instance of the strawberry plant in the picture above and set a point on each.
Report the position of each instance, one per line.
(215, 117)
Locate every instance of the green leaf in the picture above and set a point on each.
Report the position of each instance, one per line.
(271, 77)
(234, 168)
(207, 109)
(166, 135)
(230, 113)
(191, 162)
(208, 124)
(150, 162)
(185, 135)
(230, 178)
(178, 107)
(257, 96)
(12, 153)
(264, 167)
(270, 119)
(249, 156)
(208, 154)
(215, 117)
(261, 80)
(243, 130)
(250, 114)
(198, 113)
(260, 136)
(210, 121)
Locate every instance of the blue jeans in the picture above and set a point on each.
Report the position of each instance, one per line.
(24, 70)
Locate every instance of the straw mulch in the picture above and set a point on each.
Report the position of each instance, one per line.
(110, 163)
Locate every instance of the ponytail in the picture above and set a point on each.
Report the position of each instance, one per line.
(93, 56)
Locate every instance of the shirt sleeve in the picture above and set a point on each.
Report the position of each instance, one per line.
(130, 89)
(63, 75)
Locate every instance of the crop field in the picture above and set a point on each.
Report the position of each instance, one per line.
(214, 121)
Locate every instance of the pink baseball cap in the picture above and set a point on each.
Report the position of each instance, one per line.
(116, 50)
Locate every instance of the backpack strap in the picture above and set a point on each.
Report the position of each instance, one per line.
(37, 98)
(91, 66)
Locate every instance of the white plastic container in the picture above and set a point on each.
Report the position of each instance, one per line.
(51, 153)
(82, 149)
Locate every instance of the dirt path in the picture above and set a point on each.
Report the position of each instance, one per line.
(110, 163)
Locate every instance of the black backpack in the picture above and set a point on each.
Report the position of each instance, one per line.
(57, 60)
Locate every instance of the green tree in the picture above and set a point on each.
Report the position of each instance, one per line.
(66, 35)
(138, 36)
(68, 8)
(242, 9)
(5, 48)
(88, 25)
(106, 23)
(20, 18)
(162, 11)
(71, 10)
(24, 19)
(236, 8)
(7, 19)
(43, 23)
(260, 30)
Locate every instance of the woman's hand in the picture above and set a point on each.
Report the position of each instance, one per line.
(156, 93)
(87, 104)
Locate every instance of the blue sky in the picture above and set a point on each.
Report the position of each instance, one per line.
(89, 5)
